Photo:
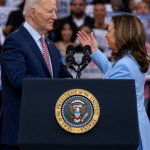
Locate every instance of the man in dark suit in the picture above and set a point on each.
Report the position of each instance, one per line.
(27, 53)
(78, 15)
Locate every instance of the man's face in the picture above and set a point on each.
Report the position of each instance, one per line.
(46, 15)
(99, 13)
(117, 5)
(142, 8)
(78, 7)
(2, 2)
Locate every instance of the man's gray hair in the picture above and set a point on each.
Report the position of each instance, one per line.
(28, 5)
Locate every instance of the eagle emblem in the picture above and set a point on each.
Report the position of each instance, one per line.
(77, 109)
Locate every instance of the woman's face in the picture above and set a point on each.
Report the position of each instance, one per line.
(66, 32)
(111, 37)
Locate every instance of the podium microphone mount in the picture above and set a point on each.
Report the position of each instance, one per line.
(86, 59)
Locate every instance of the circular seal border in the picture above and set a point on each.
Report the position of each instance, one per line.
(77, 92)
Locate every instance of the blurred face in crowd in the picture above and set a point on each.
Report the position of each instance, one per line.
(86, 29)
(111, 37)
(78, 7)
(142, 8)
(147, 1)
(2, 2)
(44, 16)
(99, 13)
(131, 5)
(66, 32)
(117, 5)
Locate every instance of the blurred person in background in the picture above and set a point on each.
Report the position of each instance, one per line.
(148, 2)
(117, 5)
(130, 6)
(99, 16)
(87, 30)
(2, 2)
(14, 21)
(65, 35)
(78, 15)
(142, 8)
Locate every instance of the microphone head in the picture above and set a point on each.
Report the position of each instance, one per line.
(87, 48)
(70, 48)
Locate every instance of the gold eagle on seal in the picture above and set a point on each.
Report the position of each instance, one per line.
(77, 109)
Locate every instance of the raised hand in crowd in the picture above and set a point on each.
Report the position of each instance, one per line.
(84, 39)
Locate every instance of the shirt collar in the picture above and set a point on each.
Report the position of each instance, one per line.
(36, 36)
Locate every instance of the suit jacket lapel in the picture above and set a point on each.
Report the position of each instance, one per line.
(34, 45)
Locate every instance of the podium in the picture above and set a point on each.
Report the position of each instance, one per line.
(116, 129)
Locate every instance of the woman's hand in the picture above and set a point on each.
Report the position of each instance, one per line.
(84, 39)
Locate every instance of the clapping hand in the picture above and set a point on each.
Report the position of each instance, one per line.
(85, 39)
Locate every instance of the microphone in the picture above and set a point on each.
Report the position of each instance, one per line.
(86, 59)
(70, 55)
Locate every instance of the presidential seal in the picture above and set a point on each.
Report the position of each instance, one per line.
(77, 111)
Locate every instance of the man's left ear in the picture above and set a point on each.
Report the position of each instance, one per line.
(32, 13)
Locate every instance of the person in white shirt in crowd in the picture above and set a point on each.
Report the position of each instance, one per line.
(99, 14)
(78, 15)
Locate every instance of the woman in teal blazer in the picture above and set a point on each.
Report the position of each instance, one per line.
(126, 38)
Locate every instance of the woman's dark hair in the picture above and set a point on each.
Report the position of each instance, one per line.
(59, 28)
(84, 25)
(130, 35)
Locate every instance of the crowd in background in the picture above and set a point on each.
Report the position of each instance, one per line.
(65, 29)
